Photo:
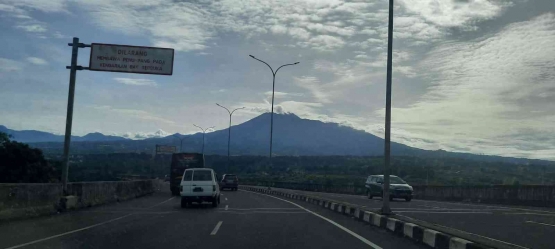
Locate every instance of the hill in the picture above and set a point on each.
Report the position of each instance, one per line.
(33, 136)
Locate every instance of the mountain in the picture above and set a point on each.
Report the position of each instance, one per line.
(32, 136)
(292, 136)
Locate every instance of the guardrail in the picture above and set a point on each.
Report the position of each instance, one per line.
(527, 195)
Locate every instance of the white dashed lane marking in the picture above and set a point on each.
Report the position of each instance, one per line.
(216, 228)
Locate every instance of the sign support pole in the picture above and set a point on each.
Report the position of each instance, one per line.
(75, 45)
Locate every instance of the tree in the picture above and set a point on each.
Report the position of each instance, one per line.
(20, 163)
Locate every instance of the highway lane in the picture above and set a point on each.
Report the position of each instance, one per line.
(524, 226)
(243, 220)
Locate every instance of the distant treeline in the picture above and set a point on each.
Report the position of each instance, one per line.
(316, 169)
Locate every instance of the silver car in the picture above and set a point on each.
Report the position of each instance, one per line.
(397, 187)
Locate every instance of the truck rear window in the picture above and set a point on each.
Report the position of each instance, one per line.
(202, 175)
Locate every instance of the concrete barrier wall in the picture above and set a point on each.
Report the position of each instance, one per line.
(95, 193)
(28, 199)
(528, 195)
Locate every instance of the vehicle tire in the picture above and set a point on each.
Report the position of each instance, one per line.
(408, 199)
(183, 203)
(215, 202)
(390, 198)
(370, 196)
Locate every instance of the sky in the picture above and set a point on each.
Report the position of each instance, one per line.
(473, 76)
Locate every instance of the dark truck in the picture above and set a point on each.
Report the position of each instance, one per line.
(181, 162)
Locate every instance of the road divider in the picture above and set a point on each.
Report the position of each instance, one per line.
(400, 225)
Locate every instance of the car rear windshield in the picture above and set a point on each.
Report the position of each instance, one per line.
(230, 177)
(202, 175)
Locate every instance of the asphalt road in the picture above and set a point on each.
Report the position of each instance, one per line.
(524, 226)
(243, 220)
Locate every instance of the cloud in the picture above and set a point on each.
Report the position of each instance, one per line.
(20, 13)
(41, 5)
(179, 25)
(190, 26)
(288, 106)
(142, 135)
(282, 94)
(136, 82)
(7, 65)
(134, 113)
(487, 88)
(453, 13)
(312, 84)
(33, 28)
(36, 61)
(324, 43)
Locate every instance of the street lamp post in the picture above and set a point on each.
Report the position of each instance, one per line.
(273, 90)
(203, 132)
(229, 131)
(180, 142)
(387, 146)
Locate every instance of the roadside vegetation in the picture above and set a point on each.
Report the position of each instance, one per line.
(20, 163)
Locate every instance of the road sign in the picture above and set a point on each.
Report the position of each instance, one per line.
(113, 58)
(131, 59)
(165, 149)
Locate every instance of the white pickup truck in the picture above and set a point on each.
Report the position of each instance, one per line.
(198, 185)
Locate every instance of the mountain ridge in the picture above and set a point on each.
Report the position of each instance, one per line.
(293, 136)
(34, 136)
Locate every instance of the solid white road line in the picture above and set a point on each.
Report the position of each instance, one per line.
(162, 202)
(364, 240)
(225, 207)
(446, 212)
(529, 214)
(70, 232)
(216, 228)
(539, 223)
(444, 209)
(263, 212)
(246, 209)
(226, 199)
(138, 212)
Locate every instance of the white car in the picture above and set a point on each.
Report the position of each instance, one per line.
(198, 185)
